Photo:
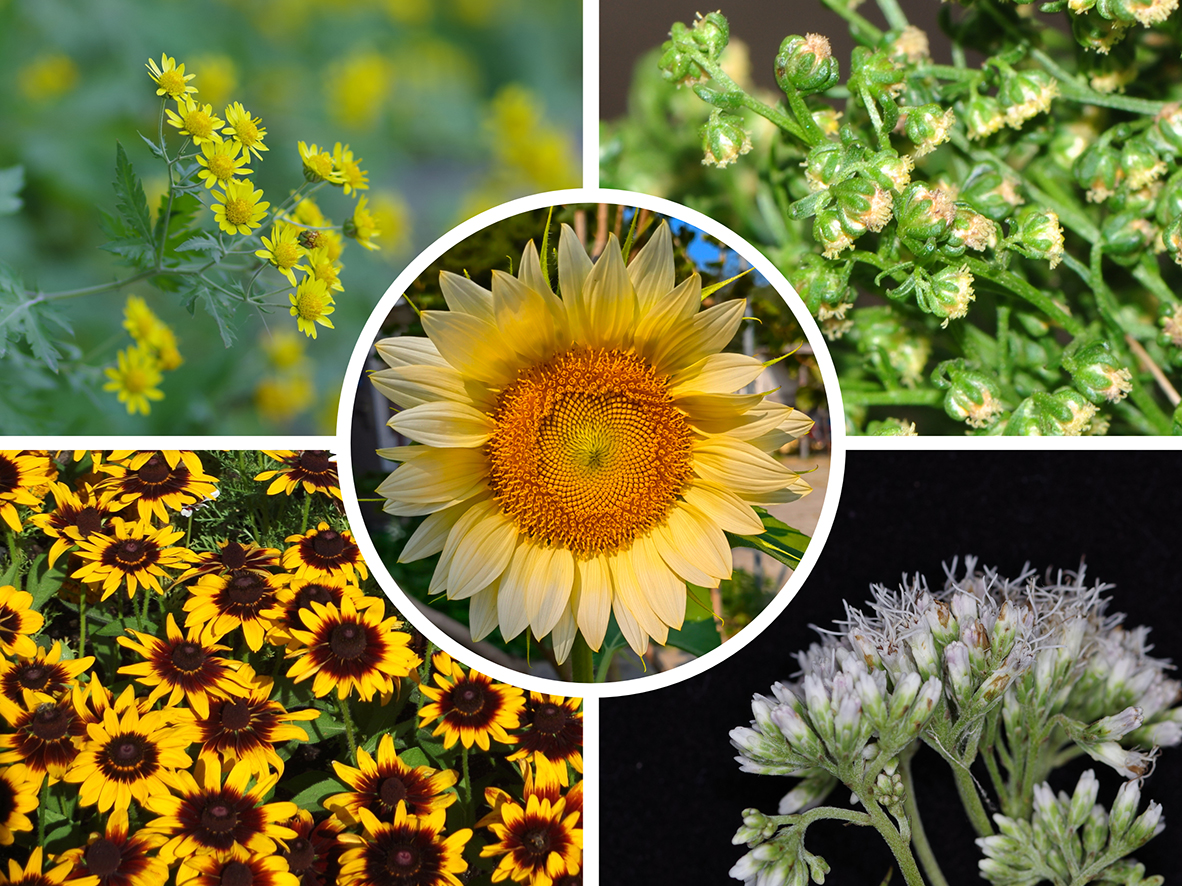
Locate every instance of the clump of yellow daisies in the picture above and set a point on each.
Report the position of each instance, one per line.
(187, 642)
(580, 455)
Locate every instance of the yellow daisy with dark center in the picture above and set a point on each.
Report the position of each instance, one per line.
(128, 753)
(135, 555)
(314, 469)
(31, 874)
(552, 737)
(299, 595)
(314, 854)
(18, 621)
(238, 869)
(45, 738)
(78, 516)
(22, 475)
(409, 851)
(248, 727)
(538, 842)
(18, 795)
(161, 481)
(324, 552)
(44, 672)
(208, 816)
(232, 556)
(118, 857)
(351, 648)
(244, 599)
(182, 667)
(380, 785)
(581, 456)
(470, 707)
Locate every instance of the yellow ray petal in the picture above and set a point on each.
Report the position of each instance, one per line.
(651, 271)
(466, 296)
(716, 374)
(445, 424)
(406, 350)
(738, 466)
(592, 586)
(483, 548)
(725, 509)
(608, 300)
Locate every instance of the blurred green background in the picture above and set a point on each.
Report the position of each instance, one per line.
(453, 106)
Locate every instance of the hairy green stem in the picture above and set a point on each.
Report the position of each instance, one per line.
(81, 621)
(897, 397)
(471, 814)
(347, 719)
(1023, 289)
(893, 14)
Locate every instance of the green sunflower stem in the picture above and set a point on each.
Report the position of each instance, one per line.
(581, 663)
(347, 719)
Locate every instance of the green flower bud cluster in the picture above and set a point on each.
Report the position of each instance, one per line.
(973, 397)
(806, 64)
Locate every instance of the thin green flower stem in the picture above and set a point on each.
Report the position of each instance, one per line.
(919, 837)
(893, 14)
(870, 33)
(347, 719)
(1005, 356)
(471, 816)
(581, 663)
(1023, 289)
(1148, 274)
(800, 109)
(42, 806)
(966, 786)
(767, 111)
(605, 665)
(875, 119)
(144, 607)
(81, 621)
(898, 397)
(424, 673)
(304, 515)
(13, 550)
(947, 72)
(899, 842)
(817, 813)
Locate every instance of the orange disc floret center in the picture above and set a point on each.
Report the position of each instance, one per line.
(238, 211)
(589, 451)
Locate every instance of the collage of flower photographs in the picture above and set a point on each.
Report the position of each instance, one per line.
(562, 442)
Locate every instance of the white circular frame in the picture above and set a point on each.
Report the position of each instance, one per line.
(361, 352)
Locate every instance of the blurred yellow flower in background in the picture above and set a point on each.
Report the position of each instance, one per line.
(219, 77)
(47, 77)
(356, 89)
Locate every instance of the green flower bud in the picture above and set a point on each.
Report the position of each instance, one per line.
(891, 427)
(1027, 94)
(929, 126)
(1113, 72)
(711, 32)
(724, 139)
(891, 170)
(973, 397)
(1145, 12)
(883, 339)
(1065, 413)
(1140, 163)
(971, 230)
(825, 165)
(824, 286)
(1098, 169)
(982, 116)
(910, 45)
(1097, 373)
(830, 232)
(1171, 324)
(864, 206)
(1169, 200)
(1125, 236)
(948, 294)
(806, 64)
(756, 828)
(990, 193)
(675, 63)
(923, 213)
(1038, 234)
(1168, 126)
(1068, 142)
(1095, 830)
(1172, 238)
(1093, 31)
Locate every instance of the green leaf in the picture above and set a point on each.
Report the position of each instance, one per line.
(26, 316)
(152, 146)
(12, 181)
(695, 637)
(130, 199)
(697, 604)
(310, 789)
(202, 243)
(134, 249)
(778, 540)
(414, 757)
(325, 726)
(43, 582)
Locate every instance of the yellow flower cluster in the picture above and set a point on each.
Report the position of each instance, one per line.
(138, 372)
(169, 727)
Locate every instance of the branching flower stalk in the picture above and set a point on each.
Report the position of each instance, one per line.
(1010, 675)
(986, 239)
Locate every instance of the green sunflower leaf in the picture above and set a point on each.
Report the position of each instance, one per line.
(12, 181)
(695, 637)
(778, 540)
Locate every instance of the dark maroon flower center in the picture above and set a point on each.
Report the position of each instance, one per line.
(218, 816)
(10, 621)
(237, 873)
(314, 593)
(468, 698)
(126, 751)
(536, 842)
(402, 860)
(300, 855)
(348, 640)
(131, 552)
(246, 588)
(233, 556)
(155, 471)
(50, 723)
(328, 543)
(550, 718)
(89, 521)
(316, 461)
(236, 715)
(103, 858)
(391, 791)
(7, 799)
(188, 657)
(33, 676)
(9, 475)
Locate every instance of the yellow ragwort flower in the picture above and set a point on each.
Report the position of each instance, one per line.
(323, 268)
(362, 227)
(353, 177)
(170, 77)
(248, 131)
(283, 250)
(135, 379)
(220, 162)
(196, 121)
(311, 303)
(239, 209)
(318, 165)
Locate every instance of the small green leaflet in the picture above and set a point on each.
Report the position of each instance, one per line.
(12, 181)
(778, 540)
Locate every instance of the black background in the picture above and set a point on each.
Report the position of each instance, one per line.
(671, 794)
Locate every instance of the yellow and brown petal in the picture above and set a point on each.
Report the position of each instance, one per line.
(18, 622)
(313, 469)
(244, 599)
(551, 737)
(538, 843)
(161, 481)
(44, 672)
(470, 707)
(379, 785)
(118, 857)
(408, 851)
(18, 795)
(24, 480)
(324, 552)
(134, 555)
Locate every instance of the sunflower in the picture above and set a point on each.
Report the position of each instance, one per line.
(582, 456)
(314, 469)
(118, 857)
(239, 868)
(17, 622)
(470, 707)
(32, 875)
(183, 666)
(160, 481)
(136, 554)
(248, 727)
(553, 737)
(406, 852)
(299, 595)
(43, 737)
(220, 603)
(128, 754)
(21, 475)
(314, 855)
(539, 842)
(18, 795)
(209, 817)
(42, 672)
(380, 785)
(232, 556)
(78, 515)
(324, 552)
(351, 647)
